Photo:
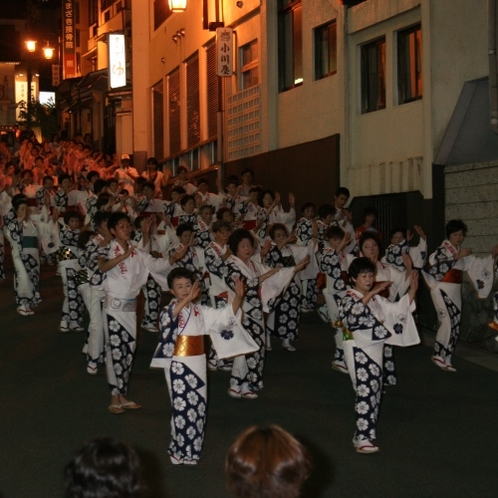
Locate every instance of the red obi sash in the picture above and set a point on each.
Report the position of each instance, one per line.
(146, 214)
(174, 221)
(453, 277)
(345, 276)
(249, 224)
(31, 201)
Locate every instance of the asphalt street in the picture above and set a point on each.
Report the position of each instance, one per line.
(437, 430)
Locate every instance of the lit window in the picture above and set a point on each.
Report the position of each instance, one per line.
(373, 76)
(325, 50)
(290, 44)
(410, 64)
(249, 60)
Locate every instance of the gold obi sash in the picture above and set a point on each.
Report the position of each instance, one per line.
(189, 345)
(453, 277)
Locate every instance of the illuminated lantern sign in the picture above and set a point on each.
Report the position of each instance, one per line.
(224, 51)
(68, 47)
(117, 61)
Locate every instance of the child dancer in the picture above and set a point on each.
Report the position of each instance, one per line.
(181, 353)
(122, 273)
(370, 321)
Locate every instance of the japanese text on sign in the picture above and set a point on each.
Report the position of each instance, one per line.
(224, 52)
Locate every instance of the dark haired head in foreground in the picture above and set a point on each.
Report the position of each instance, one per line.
(103, 468)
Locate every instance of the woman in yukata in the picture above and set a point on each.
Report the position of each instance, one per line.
(283, 322)
(444, 278)
(22, 230)
(263, 285)
(398, 285)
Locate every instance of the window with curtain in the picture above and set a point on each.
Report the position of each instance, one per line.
(373, 75)
(325, 38)
(174, 108)
(290, 44)
(409, 64)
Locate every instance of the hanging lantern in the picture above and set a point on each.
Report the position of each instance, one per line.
(48, 52)
(31, 45)
(177, 5)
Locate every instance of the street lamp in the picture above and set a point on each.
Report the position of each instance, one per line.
(48, 53)
(31, 47)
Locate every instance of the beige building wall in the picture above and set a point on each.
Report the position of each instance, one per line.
(392, 150)
(315, 109)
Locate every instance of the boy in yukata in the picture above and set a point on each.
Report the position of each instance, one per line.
(180, 353)
(371, 321)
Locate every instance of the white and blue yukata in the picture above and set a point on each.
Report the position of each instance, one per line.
(304, 234)
(334, 265)
(247, 371)
(122, 285)
(418, 254)
(72, 304)
(218, 294)
(180, 353)
(202, 233)
(368, 327)
(444, 279)
(92, 297)
(283, 321)
(23, 238)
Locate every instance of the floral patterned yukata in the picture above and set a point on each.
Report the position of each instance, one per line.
(368, 327)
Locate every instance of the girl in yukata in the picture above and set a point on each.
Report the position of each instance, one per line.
(121, 275)
(215, 255)
(370, 321)
(334, 264)
(283, 321)
(444, 278)
(307, 235)
(72, 305)
(193, 258)
(263, 285)
(398, 283)
(22, 230)
(400, 243)
(180, 353)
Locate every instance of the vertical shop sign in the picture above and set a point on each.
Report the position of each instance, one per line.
(68, 45)
(117, 60)
(224, 51)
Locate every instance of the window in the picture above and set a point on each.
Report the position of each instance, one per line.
(410, 64)
(325, 50)
(161, 12)
(158, 119)
(290, 44)
(212, 91)
(174, 112)
(249, 60)
(373, 76)
(193, 102)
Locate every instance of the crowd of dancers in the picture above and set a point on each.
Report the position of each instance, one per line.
(240, 268)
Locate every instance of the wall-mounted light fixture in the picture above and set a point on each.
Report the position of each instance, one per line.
(177, 5)
(239, 4)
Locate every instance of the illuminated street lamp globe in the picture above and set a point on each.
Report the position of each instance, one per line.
(31, 45)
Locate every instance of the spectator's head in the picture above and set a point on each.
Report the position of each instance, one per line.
(103, 468)
(267, 462)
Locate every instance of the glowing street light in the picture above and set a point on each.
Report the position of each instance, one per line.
(31, 45)
(48, 52)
